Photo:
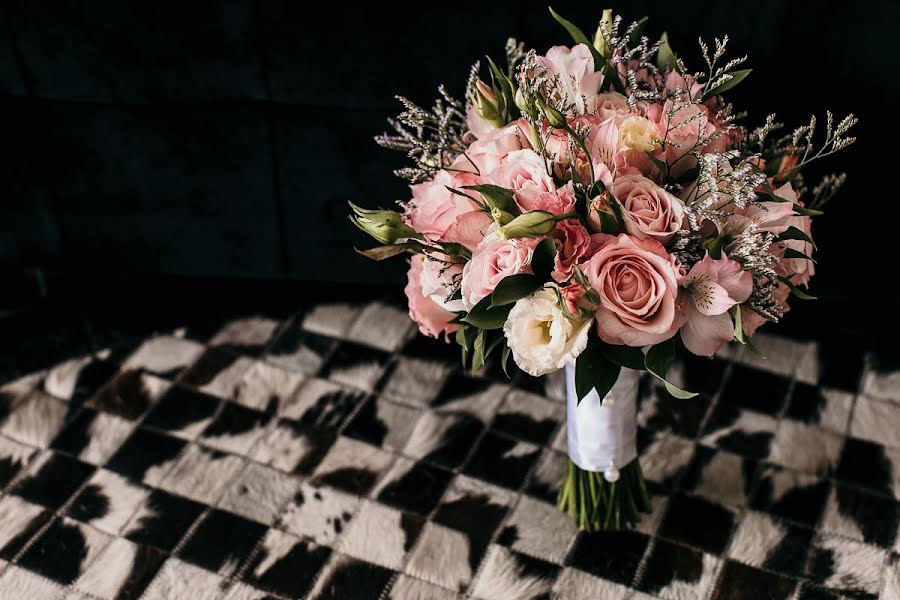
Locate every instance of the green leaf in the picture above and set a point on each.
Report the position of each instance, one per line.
(499, 339)
(478, 352)
(578, 35)
(714, 247)
(738, 326)
(484, 316)
(542, 262)
(661, 165)
(635, 37)
(739, 334)
(795, 290)
(497, 196)
(657, 361)
(791, 253)
(665, 55)
(737, 77)
(624, 356)
(794, 233)
(608, 222)
(808, 212)
(593, 371)
(384, 252)
(504, 360)
(514, 287)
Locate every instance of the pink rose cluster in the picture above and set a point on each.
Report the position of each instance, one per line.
(619, 176)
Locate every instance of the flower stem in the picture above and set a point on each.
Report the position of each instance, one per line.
(596, 504)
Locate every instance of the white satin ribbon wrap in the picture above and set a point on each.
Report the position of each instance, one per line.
(602, 436)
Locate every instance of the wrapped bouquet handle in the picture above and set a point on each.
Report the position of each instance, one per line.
(603, 487)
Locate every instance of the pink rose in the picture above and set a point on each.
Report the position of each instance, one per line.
(637, 287)
(560, 202)
(431, 318)
(493, 260)
(524, 172)
(486, 153)
(441, 276)
(711, 288)
(572, 242)
(443, 216)
(609, 104)
(578, 82)
(648, 210)
(684, 128)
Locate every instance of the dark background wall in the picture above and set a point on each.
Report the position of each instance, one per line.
(224, 138)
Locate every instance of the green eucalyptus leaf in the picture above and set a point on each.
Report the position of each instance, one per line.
(736, 77)
(657, 361)
(795, 290)
(485, 316)
(514, 287)
(593, 371)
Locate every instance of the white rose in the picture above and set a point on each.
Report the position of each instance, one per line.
(541, 337)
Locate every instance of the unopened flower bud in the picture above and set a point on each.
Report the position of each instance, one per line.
(386, 226)
(490, 106)
(599, 41)
(554, 117)
(531, 224)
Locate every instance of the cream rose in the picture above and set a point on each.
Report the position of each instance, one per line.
(639, 134)
(542, 339)
(648, 210)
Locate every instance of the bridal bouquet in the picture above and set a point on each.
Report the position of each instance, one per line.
(601, 209)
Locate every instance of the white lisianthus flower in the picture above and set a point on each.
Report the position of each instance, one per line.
(541, 337)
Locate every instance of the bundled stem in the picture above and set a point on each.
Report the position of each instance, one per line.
(596, 504)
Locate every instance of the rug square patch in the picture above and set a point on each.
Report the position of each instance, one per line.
(162, 520)
(538, 529)
(221, 541)
(202, 474)
(284, 564)
(64, 550)
(259, 493)
(353, 466)
(381, 535)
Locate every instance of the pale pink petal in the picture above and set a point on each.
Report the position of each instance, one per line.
(704, 335)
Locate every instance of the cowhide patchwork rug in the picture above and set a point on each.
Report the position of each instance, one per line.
(337, 455)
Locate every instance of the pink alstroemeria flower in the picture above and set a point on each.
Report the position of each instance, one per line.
(711, 287)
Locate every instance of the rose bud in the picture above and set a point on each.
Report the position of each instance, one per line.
(554, 117)
(386, 226)
(491, 107)
(531, 224)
